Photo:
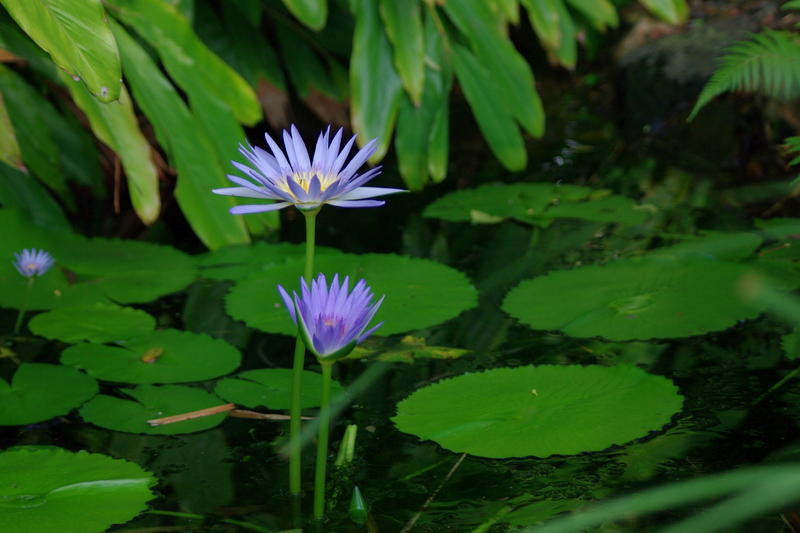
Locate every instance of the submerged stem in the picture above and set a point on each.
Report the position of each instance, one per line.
(24, 307)
(322, 442)
(295, 445)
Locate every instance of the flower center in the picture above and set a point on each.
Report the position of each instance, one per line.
(303, 179)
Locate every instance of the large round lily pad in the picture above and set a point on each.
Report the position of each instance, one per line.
(150, 402)
(540, 410)
(87, 270)
(534, 203)
(164, 356)
(656, 297)
(419, 293)
(272, 388)
(98, 322)
(242, 260)
(51, 489)
(41, 391)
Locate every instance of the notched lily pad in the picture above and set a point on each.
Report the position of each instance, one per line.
(653, 297)
(240, 261)
(150, 402)
(39, 392)
(534, 203)
(272, 388)
(419, 293)
(98, 322)
(56, 490)
(408, 350)
(164, 356)
(540, 410)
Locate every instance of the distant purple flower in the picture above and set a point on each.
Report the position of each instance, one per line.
(31, 262)
(331, 320)
(306, 184)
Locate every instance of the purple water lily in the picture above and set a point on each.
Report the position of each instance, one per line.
(303, 182)
(332, 321)
(31, 262)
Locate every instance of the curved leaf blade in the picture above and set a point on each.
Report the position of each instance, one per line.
(312, 13)
(76, 35)
(404, 29)
(672, 11)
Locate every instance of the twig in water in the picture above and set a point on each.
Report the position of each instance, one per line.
(433, 495)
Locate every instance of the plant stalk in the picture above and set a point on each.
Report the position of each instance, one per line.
(295, 444)
(24, 307)
(322, 441)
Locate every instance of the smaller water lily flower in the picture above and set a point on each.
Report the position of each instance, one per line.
(31, 262)
(294, 179)
(332, 320)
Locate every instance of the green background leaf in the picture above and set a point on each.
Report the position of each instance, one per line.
(99, 322)
(272, 388)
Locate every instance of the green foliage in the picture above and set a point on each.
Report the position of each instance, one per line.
(52, 489)
(766, 63)
(39, 392)
(98, 322)
(272, 388)
(540, 410)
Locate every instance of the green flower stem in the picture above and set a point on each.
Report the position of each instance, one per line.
(24, 307)
(295, 444)
(322, 441)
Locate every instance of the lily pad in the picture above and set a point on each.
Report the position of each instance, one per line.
(540, 410)
(98, 322)
(241, 261)
(408, 350)
(41, 391)
(150, 402)
(714, 245)
(272, 388)
(419, 293)
(87, 271)
(534, 203)
(51, 489)
(654, 297)
(791, 344)
(165, 356)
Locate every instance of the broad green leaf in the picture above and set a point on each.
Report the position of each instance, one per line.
(164, 356)
(76, 35)
(652, 297)
(567, 51)
(439, 141)
(27, 110)
(272, 388)
(509, 9)
(672, 11)
(600, 13)
(20, 190)
(14, 40)
(52, 489)
(239, 262)
(791, 344)
(115, 124)
(99, 322)
(9, 148)
(415, 137)
(375, 85)
(540, 410)
(544, 15)
(150, 402)
(404, 29)
(419, 293)
(39, 392)
(189, 149)
(509, 72)
(188, 61)
(308, 73)
(408, 350)
(496, 124)
(312, 13)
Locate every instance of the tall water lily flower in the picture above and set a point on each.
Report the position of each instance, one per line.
(294, 179)
(332, 320)
(31, 262)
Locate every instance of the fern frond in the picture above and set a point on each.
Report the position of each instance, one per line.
(767, 63)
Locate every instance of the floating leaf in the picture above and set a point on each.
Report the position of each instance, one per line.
(419, 293)
(151, 402)
(534, 203)
(76, 35)
(240, 261)
(17, 189)
(540, 410)
(98, 322)
(791, 344)
(408, 350)
(655, 297)
(165, 356)
(51, 489)
(714, 245)
(272, 388)
(40, 392)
